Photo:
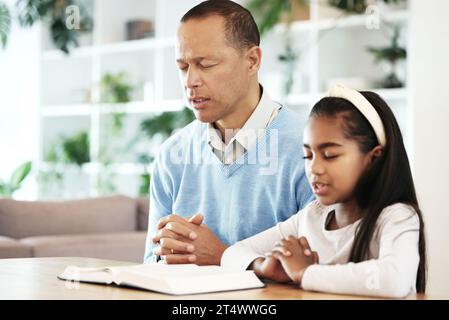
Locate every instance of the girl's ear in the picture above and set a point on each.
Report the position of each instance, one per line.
(375, 153)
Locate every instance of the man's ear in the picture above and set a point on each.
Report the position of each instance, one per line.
(254, 57)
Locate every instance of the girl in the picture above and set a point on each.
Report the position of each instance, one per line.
(365, 226)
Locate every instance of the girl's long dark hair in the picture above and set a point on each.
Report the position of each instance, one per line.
(389, 179)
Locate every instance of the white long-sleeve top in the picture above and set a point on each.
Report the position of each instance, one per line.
(390, 271)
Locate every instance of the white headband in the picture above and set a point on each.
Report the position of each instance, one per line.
(364, 106)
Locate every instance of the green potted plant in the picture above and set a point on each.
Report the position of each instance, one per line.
(5, 24)
(145, 178)
(357, 6)
(165, 123)
(70, 150)
(106, 176)
(270, 13)
(158, 127)
(53, 14)
(289, 57)
(76, 149)
(390, 55)
(115, 88)
(8, 188)
(52, 176)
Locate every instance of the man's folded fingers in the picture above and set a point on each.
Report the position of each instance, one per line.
(176, 245)
(170, 218)
(159, 251)
(164, 233)
(179, 258)
(181, 229)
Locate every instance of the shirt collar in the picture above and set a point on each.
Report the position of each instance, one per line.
(248, 134)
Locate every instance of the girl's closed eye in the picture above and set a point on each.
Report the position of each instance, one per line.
(327, 156)
(307, 155)
(330, 156)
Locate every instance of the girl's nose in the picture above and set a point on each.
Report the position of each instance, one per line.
(316, 167)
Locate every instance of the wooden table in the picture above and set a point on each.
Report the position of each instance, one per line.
(36, 278)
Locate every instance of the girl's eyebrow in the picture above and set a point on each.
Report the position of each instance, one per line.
(324, 145)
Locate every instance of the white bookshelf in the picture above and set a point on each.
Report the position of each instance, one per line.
(330, 48)
(69, 89)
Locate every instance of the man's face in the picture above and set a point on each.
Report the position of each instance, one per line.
(215, 75)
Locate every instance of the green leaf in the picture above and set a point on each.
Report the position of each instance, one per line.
(76, 148)
(351, 6)
(356, 6)
(145, 158)
(388, 53)
(115, 88)
(5, 24)
(392, 53)
(32, 11)
(166, 122)
(144, 186)
(267, 13)
(19, 175)
(63, 38)
(53, 155)
(2, 191)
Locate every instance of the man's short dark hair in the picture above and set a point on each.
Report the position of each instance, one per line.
(240, 27)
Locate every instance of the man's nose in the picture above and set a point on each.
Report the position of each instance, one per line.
(192, 78)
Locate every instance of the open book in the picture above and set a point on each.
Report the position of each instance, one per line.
(165, 278)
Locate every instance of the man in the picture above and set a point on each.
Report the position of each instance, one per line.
(238, 169)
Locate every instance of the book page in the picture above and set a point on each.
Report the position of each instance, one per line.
(152, 268)
(187, 279)
(110, 274)
(96, 275)
(171, 279)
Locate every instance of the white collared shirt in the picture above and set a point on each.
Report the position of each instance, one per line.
(241, 140)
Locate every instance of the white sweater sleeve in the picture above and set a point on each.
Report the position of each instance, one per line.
(240, 255)
(393, 274)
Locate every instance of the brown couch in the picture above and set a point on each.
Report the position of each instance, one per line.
(108, 228)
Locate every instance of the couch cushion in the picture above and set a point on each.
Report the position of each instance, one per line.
(123, 246)
(11, 248)
(19, 219)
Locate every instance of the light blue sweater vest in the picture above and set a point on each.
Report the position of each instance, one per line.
(265, 186)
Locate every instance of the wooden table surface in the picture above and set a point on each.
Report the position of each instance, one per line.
(36, 278)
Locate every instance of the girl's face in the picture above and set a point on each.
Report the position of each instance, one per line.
(333, 163)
